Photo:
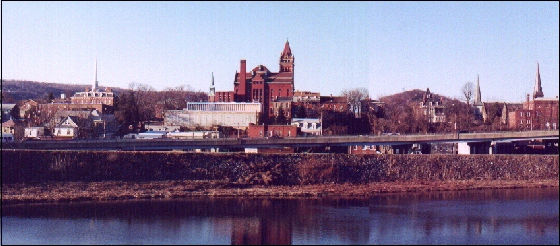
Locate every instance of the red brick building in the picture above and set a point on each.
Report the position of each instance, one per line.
(334, 103)
(537, 114)
(260, 84)
(261, 131)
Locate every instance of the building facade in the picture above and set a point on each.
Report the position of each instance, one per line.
(432, 108)
(208, 114)
(271, 131)
(308, 126)
(538, 112)
(260, 85)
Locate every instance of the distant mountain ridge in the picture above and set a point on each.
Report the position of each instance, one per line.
(23, 89)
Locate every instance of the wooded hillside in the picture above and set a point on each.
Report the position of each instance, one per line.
(16, 90)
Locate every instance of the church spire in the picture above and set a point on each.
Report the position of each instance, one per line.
(94, 85)
(212, 90)
(478, 96)
(538, 89)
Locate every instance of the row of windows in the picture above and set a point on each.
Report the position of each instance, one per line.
(284, 105)
(287, 113)
(309, 125)
(365, 147)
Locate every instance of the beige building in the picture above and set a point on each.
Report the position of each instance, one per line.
(209, 114)
(432, 108)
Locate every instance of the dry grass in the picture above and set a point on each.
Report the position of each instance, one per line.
(109, 190)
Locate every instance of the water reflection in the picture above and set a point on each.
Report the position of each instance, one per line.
(506, 216)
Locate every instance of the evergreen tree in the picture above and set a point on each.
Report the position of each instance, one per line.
(301, 112)
(126, 108)
(280, 118)
(50, 97)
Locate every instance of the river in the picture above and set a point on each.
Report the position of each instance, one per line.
(495, 216)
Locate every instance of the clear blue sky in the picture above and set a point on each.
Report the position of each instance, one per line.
(386, 47)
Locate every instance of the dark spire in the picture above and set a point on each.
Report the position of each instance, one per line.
(538, 89)
(478, 96)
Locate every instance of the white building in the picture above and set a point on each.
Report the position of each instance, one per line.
(194, 135)
(34, 132)
(160, 128)
(67, 128)
(7, 137)
(309, 126)
(208, 114)
(151, 135)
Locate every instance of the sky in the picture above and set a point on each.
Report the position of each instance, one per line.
(386, 47)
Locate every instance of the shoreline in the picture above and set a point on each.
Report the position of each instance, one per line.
(53, 192)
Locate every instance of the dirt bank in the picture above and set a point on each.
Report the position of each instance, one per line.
(40, 176)
(113, 190)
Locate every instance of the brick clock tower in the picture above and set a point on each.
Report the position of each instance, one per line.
(287, 59)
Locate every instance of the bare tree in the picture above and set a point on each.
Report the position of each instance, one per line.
(355, 97)
(467, 90)
(145, 100)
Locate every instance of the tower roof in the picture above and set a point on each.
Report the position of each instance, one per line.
(287, 50)
(478, 96)
(538, 88)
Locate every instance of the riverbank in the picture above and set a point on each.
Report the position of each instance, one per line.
(57, 176)
(116, 190)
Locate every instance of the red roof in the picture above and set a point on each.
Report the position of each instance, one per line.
(9, 123)
(260, 68)
(287, 50)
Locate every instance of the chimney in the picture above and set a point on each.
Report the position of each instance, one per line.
(528, 97)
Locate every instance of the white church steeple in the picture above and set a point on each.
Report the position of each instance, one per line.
(95, 85)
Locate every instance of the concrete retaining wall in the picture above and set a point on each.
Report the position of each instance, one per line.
(23, 166)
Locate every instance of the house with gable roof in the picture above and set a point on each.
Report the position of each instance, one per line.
(67, 128)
